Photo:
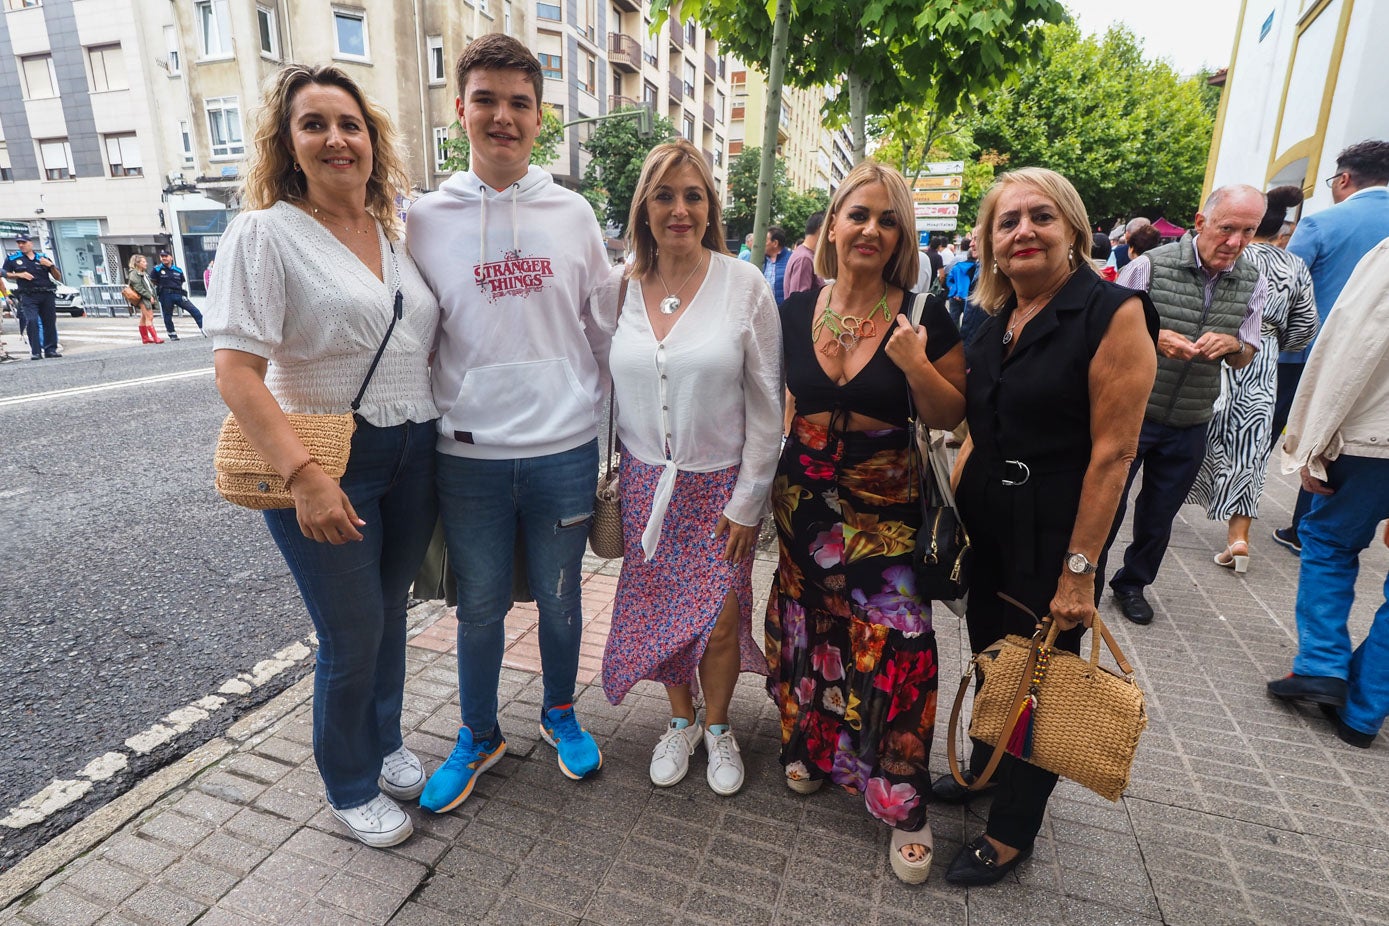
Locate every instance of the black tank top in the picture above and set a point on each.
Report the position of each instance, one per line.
(879, 390)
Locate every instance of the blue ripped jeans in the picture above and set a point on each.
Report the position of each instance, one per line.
(483, 503)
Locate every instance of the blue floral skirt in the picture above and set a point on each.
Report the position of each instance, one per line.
(849, 643)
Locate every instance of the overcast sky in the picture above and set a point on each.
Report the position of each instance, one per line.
(1189, 33)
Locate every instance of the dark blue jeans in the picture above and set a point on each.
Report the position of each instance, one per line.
(483, 503)
(40, 320)
(1170, 459)
(1334, 532)
(169, 300)
(356, 594)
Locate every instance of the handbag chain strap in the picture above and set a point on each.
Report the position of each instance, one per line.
(397, 313)
(1042, 642)
(612, 388)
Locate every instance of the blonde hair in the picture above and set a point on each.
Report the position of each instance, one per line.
(130, 264)
(664, 159)
(902, 267)
(272, 176)
(994, 289)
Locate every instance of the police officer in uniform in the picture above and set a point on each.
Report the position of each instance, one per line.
(169, 280)
(36, 280)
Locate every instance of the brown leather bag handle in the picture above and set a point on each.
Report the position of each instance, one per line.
(1045, 636)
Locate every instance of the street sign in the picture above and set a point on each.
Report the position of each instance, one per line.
(936, 224)
(936, 183)
(937, 210)
(9, 229)
(936, 196)
(936, 168)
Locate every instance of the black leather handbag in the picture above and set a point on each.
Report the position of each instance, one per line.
(941, 557)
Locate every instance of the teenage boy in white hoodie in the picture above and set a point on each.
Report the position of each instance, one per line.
(512, 257)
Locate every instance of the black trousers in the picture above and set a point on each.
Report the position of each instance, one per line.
(1000, 564)
(1170, 459)
(169, 300)
(40, 311)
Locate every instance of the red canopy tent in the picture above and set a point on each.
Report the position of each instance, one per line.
(1168, 231)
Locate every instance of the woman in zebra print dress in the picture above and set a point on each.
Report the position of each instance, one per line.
(1238, 442)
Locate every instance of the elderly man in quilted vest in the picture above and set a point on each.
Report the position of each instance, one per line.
(1210, 302)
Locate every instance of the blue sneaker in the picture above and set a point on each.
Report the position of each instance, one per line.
(578, 753)
(453, 781)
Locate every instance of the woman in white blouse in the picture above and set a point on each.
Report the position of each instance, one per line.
(695, 364)
(312, 274)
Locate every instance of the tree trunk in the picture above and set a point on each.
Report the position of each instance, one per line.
(858, 114)
(776, 71)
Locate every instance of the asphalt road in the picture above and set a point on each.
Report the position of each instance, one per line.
(130, 589)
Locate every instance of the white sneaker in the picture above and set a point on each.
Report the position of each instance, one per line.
(725, 772)
(670, 760)
(377, 823)
(402, 775)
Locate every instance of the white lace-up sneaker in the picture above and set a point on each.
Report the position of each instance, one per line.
(402, 775)
(377, 823)
(670, 760)
(725, 772)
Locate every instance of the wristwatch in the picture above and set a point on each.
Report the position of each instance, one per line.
(1077, 563)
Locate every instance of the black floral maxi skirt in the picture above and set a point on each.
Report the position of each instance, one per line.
(850, 647)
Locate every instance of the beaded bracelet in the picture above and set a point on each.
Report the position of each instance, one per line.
(289, 480)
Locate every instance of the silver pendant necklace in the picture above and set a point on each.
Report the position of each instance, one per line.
(671, 303)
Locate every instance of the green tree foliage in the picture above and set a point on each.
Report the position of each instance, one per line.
(742, 190)
(617, 149)
(545, 151)
(1130, 134)
(799, 207)
(888, 53)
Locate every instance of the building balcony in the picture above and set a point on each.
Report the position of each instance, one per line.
(708, 158)
(738, 114)
(711, 67)
(709, 114)
(677, 88)
(624, 52)
(628, 6)
(677, 35)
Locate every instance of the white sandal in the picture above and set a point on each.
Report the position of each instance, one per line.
(1229, 558)
(910, 872)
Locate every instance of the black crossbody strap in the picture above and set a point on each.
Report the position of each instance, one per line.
(397, 313)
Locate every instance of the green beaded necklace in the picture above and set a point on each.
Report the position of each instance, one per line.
(848, 330)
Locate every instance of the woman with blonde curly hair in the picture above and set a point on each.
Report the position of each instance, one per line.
(314, 289)
(849, 639)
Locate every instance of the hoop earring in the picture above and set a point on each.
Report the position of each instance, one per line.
(296, 167)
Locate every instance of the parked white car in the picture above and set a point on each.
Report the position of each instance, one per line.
(69, 300)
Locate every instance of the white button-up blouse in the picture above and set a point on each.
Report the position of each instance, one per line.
(707, 397)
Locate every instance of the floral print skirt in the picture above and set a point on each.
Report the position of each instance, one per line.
(849, 643)
(666, 608)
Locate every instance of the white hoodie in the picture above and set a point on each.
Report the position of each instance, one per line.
(515, 375)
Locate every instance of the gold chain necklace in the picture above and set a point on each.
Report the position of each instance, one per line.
(328, 223)
(848, 330)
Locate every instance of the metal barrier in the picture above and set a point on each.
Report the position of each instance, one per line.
(106, 297)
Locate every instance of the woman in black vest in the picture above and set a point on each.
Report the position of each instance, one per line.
(1057, 383)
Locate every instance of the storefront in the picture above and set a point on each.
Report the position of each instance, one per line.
(77, 246)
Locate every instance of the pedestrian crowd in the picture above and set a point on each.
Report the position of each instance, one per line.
(797, 391)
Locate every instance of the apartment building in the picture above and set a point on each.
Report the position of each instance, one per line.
(79, 166)
(134, 117)
(800, 128)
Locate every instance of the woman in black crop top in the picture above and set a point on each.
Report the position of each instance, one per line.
(1058, 379)
(849, 642)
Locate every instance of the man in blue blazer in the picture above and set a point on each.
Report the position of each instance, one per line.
(1332, 242)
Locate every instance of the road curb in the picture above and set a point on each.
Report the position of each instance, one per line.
(60, 851)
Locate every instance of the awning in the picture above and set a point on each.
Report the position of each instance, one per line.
(1167, 230)
(138, 241)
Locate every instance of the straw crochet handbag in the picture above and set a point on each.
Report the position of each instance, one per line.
(244, 478)
(605, 530)
(1068, 715)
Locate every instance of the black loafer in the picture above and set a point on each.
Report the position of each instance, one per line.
(1319, 689)
(1133, 605)
(948, 791)
(1347, 734)
(977, 865)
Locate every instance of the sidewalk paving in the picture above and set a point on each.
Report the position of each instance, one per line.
(1241, 811)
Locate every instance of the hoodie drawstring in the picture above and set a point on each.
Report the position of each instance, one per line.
(515, 225)
(515, 229)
